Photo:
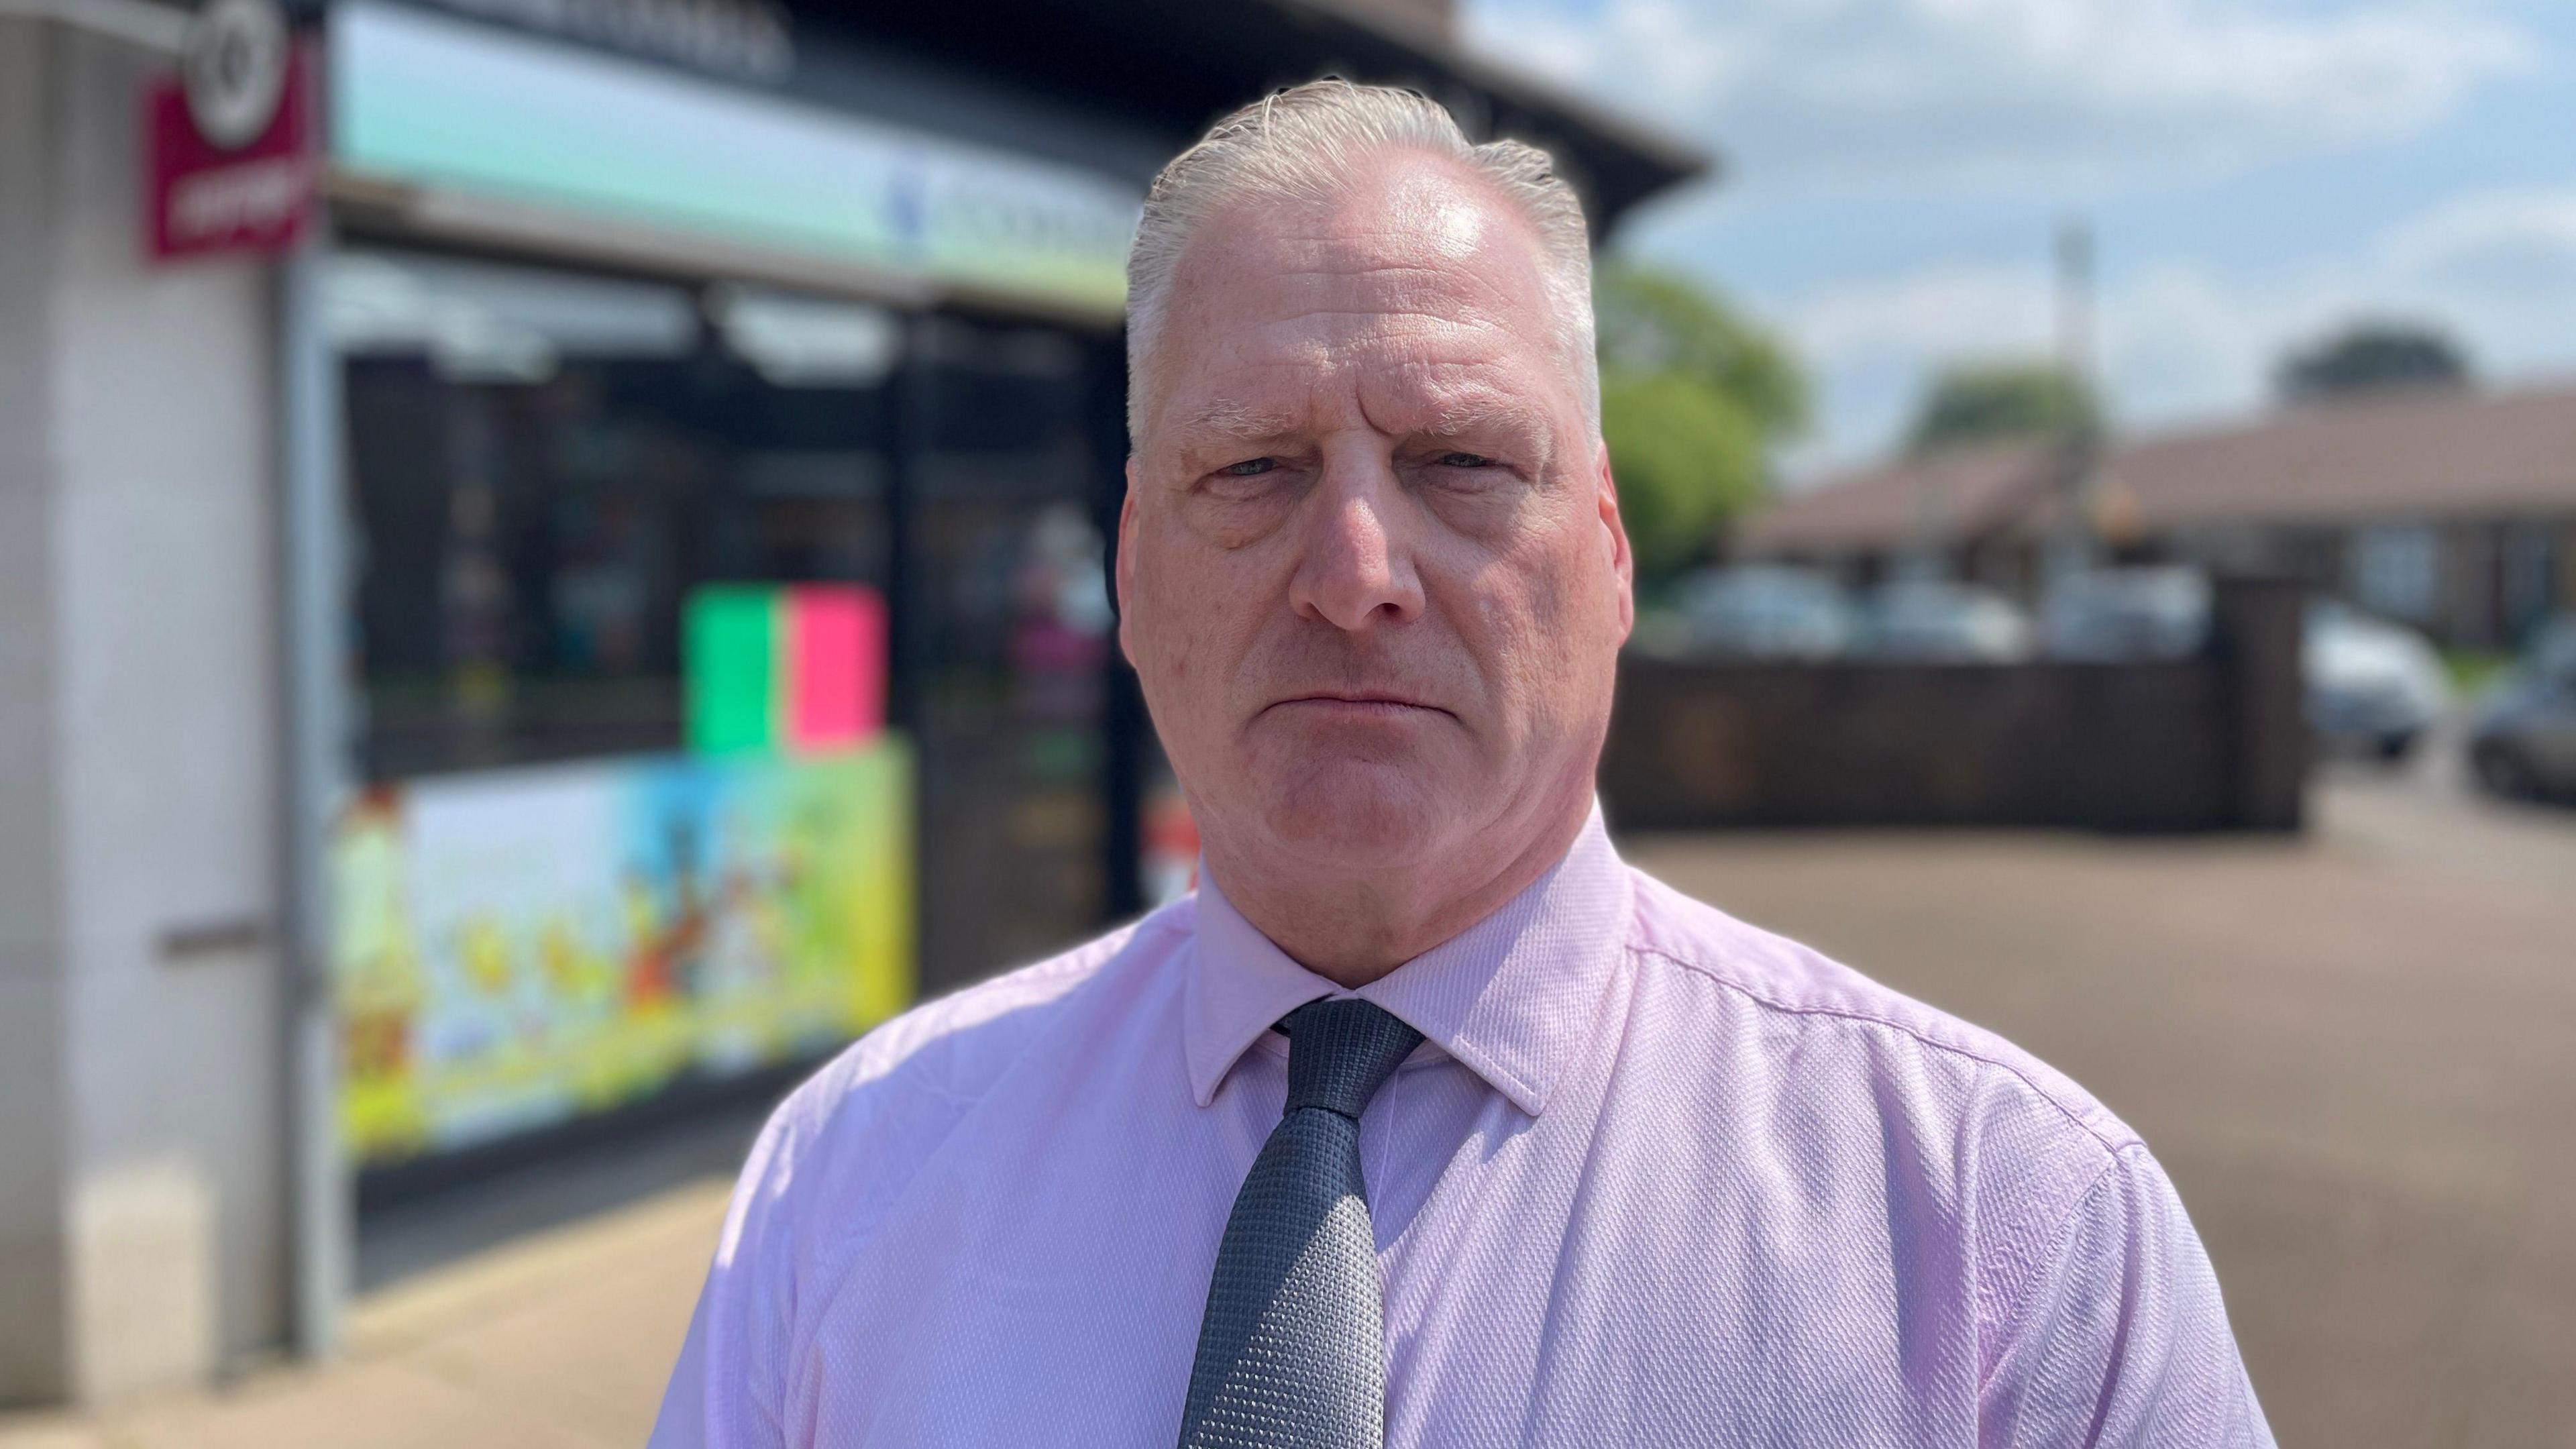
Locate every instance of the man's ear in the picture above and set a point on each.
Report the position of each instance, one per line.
(1125, 572)
(1623, 563)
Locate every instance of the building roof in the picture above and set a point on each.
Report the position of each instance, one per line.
(1955, 493)
(1170, 67)
(2417, 454)
(2409, 453)
(1182, 63)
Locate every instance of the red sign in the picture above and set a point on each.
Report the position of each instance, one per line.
(256, 197)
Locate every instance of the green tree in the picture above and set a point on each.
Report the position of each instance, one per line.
(1658, 321)
(1978, 402)
(1693, 396)
(2368, 356)
(1687, 458)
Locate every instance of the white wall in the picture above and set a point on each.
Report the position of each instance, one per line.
(138, 760)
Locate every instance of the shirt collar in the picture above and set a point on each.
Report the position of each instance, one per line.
(1510, 997)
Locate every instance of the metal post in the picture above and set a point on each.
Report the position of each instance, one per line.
(2073, 550)
(314, 612)
(2075, 299)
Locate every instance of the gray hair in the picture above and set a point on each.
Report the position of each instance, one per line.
(1299, 144)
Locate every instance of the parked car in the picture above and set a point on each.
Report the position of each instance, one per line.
(2154, 612)
(1932, 619)
(2371, 684)
(2522, 740)
(1767, 611)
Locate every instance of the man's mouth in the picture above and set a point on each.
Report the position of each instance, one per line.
(1360, 703)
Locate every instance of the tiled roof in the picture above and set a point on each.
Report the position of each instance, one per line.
(1956, 493)
(2397, 455)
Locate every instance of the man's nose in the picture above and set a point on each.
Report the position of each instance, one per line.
(1356, 570)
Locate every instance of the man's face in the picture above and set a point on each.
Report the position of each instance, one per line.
(1370, 568)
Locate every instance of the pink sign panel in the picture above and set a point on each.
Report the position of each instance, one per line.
(203, 199)
(836, 643)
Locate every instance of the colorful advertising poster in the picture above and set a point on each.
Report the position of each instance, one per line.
(518, 947)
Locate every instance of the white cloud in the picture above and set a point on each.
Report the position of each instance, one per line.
(1906, 115)
(2516, 243)
(2177, 340)
(1870, 343)
(1960, 309)
(1828, 94)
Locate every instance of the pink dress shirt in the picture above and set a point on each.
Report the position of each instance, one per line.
(1654, 1177)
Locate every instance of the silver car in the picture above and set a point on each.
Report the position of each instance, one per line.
(1767, 611)
(2116, 614)
(2370, 684)
(2522, 741)
(1934, 620)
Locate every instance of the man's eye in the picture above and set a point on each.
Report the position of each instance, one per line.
(1250, 467)
(1465, 460)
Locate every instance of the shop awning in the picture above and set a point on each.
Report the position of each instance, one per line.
(1182, 63)
(993, 153)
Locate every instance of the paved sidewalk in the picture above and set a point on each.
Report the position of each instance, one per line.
(559, 1341)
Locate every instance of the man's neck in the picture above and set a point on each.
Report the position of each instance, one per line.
(1351, 930)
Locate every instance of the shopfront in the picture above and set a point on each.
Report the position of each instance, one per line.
(722, 410)
(725, 481)
(575, 535)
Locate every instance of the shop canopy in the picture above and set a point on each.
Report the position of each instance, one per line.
(1185, 62)
(996, 152)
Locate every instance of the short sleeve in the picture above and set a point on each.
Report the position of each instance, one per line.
(728, 1389)
(2120, 1337)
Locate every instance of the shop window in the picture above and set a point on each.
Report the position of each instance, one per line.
(1008, 608)
(630, 613)
(546, 465)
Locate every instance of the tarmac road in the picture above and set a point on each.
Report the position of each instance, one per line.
(2355, 1052)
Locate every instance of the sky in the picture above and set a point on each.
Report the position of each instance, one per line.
(2255, 173)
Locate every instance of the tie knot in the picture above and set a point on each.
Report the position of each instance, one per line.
(1340, 1052)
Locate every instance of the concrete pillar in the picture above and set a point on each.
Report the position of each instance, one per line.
(142, 1152)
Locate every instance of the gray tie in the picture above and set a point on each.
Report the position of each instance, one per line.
(1292, 1350)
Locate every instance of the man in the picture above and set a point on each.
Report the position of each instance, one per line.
(1425, 1121)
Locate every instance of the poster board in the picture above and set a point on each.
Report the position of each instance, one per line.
(516, 948)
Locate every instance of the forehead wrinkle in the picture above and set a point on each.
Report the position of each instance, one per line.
(1229, 416)
(1475, 407)
(1293, 361)
(1416, 323)
(1326, 380)
(1359, 321)
(1455, 286)
(1432, 399)
(1359, 236)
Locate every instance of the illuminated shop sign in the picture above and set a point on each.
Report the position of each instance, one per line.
(230, 139)
(742, 38)
(435, 101)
